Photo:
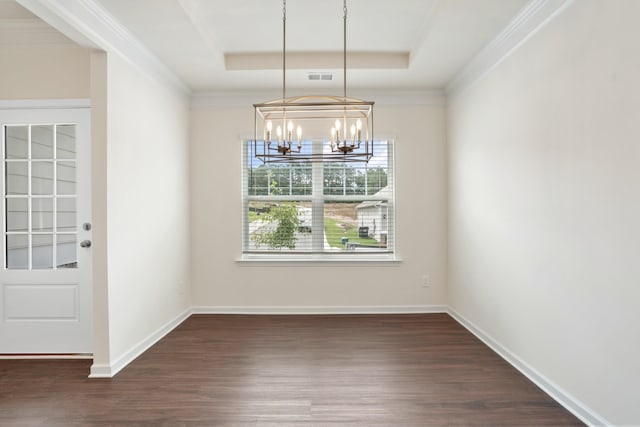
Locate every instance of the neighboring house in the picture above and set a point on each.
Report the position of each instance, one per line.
(374, 214)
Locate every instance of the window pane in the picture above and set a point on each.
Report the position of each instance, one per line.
(66, 141)
(279, 227)
(42, 214)
(17, 251)
(357, 227)
(17, 141)
(66, 247)
(348, 179)
(66, 180)
(42, 142)
(42, 178)
(17, 215)
(66, 218)
(16, 175)
(42, 251)
(280, 180)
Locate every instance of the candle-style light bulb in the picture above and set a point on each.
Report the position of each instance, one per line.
(269, 128)
(299, 135)
(346, 129)
(279, 133)
(289, 131)
(353, 133)
(359, 129)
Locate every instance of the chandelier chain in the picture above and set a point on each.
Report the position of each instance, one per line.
(284, 49)
(344, 49)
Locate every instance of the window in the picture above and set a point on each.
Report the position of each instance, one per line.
(40, 196)
(334, 209)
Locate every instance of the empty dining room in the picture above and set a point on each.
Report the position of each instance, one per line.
(337, 213)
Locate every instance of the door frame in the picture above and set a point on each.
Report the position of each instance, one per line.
(81, 110)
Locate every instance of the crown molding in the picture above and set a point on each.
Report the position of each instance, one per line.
(382, 98)
(532, 17)
(88, 24)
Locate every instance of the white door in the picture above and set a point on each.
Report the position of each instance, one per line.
(45, 286)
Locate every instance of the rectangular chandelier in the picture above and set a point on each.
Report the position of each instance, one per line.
(346, 123)
(279, 124)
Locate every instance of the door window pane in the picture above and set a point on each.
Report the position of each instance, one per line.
(42, 178)
(66, 180)
(42, 251)
(17, 215)
(66, 215)
(42, 142)
(17, 142)
(17, 251)
(66, 255)
(66, 141)
(41, 214)
(16, 178)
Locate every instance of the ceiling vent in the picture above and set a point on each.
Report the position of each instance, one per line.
(320, 76)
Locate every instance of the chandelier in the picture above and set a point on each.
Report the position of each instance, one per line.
(347, 123)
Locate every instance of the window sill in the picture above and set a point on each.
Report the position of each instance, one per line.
(317, 259)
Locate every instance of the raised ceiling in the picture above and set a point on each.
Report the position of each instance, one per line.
(214, 45)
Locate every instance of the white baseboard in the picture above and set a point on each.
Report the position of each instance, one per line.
(110, 370)
(384, 309)
(572, 404)
(82, 356)
(101, 370)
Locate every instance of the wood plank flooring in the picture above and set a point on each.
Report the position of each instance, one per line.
(232, 370)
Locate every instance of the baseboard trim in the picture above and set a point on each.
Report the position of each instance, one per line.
(81, 356)
(384, 309)
(565, 399)
(110, 370)
(102, 370)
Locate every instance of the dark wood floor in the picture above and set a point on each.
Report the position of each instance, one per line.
(228, 370)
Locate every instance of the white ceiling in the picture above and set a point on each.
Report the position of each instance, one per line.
(236, 45)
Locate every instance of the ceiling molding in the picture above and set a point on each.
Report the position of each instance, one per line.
(533, 17)
(316, 60)
(434, 98)
(87, 23)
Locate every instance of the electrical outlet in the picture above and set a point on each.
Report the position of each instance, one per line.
(426, 280)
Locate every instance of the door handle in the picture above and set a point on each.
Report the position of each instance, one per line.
(85, 244)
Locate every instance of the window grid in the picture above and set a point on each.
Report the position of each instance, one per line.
(369, 188)
(30, 195)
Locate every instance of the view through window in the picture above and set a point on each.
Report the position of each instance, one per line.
(313, 207)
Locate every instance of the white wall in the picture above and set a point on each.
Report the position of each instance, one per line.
(545, 205)
(219, 281)
(147, 206)
(41, 72)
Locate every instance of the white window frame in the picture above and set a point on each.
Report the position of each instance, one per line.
(317, 200)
